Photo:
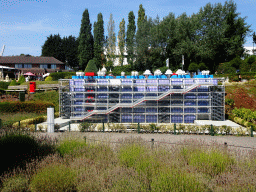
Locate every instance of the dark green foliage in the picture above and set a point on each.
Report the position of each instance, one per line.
(19, 148)
(4, 85)
(53, 48)
(21, 79)
(91, 67)
(236, 62)
(193, 67)
(85, 48)
(202, 66)
(109, 65)
(118, 69)
(226, 68)
(130, 38)
(121, 40)
(70, 48)
(27, 106)
(245, 67)
(61, 75)
(49, 96)
(99, 39)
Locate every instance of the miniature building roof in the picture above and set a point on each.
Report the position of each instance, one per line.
(168, 72)
(147, 72)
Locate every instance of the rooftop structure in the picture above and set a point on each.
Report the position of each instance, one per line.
(159, 98)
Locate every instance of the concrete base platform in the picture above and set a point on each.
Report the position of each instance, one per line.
(217, 123)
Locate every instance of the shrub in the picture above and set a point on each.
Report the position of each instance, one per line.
(22, 148)
(54, 177)
(16, 183)
(91, 67)
(62, 75)
(68, 146)
(163, 69)
(193, 67)
(202, 66)
(125, 68)
(84, 126)
(27, 106)
(49, 78)
(21, 79)
(4, 85)
(13, 82)
(212, 162)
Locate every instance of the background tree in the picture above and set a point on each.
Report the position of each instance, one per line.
(85, 48)
(99, 39)
(130, 38)
(253, 41)
(142, 40)
(70, 48)
(111, 40)
(121, 40)
(53, 48)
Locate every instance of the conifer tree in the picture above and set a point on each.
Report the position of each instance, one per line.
(99, 39)
(121, 40)
(111, 41)
(130, 38)
(85, 48)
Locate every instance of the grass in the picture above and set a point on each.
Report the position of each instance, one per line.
(132, 165)
(9, 118)
(50, 96)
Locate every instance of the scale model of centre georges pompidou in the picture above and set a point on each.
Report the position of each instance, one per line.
(160, 98)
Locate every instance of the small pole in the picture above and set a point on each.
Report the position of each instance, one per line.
(103, 128)
(152, 144)
(138, 129)
(212, 133)
(69, 126)
(85, 139)
(174, 128)
(251, 131)
(35, 126)
(226, 145)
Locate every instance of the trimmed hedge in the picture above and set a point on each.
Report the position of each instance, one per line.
(27, 106)
(4, 85)
(61, 75)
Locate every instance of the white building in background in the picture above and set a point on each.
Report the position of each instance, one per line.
(249, 50)
(117, 53)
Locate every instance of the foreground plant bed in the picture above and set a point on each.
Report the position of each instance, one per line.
(134, 165)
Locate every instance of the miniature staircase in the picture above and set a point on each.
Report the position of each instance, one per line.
(146, 98)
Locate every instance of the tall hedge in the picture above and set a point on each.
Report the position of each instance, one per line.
(27, 106)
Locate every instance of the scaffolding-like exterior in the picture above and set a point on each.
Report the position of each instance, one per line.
(134, 100)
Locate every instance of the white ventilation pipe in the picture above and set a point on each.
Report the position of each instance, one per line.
(50, 120)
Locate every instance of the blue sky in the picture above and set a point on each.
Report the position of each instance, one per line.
(26, 24)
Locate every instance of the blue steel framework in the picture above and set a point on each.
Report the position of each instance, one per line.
(142, 100)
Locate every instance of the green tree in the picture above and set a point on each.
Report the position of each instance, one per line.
(202, 66)
(111, 41)
(91, 66)
(53, 48)
(99, 39)
(70, 48)
(142, 40)
(121, 40)
(85, 48)
(193, 67)
(130, 38)
(253, 41)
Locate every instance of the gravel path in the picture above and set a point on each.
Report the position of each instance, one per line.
(244, 142)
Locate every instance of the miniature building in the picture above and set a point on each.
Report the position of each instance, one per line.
(143, 99)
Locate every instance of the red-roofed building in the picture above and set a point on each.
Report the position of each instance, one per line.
(36, 65)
